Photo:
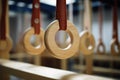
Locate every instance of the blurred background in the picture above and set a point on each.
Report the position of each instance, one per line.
(103, 65)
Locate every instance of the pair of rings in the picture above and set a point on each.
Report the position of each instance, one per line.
(51, 44)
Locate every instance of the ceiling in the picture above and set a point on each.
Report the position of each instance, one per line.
(26, 5)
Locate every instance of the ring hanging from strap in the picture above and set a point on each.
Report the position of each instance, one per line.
(5, 40)
(86, 36)
(61, 24)
(115, 41)
(100, 46)
(34, 30)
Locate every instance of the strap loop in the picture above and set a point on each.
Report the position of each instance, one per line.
(61, 14)
(35, 21)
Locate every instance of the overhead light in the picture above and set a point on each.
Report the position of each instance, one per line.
(20, 4)
(10, 2)
(53, 2)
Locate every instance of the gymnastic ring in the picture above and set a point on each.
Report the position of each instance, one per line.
(100, 44)
(29, 47)
(53, 47)
(6, 45)
(87, 50)
(113, 51)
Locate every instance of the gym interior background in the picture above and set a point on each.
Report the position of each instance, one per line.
(103, 65)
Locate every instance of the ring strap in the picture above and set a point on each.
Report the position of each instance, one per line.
(3, 20)
(100, 20)
(70, 12)
(35, 21)
(61, 14)
(115, 21)
(87, 15)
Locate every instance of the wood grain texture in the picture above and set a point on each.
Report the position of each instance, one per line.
(115, 52)
(39, 38)
(53, 47)
(86, 37)
(32, 72)
(5, 45)
(99, 46)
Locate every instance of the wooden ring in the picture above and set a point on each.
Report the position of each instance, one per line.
(87, 50)
(6, 45)
(113, 51)
(51, 45)
(29, 47)
(100, 44)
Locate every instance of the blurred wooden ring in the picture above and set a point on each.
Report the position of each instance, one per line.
(113, 51)
(27, 44)
(87, 49)
(100, 45)
(6, 45)
(51, 45)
